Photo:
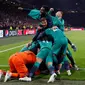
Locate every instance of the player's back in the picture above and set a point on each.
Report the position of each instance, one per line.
(26, 56)
(45, 44)
(57, 34)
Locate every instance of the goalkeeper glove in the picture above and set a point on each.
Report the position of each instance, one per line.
(74, 47)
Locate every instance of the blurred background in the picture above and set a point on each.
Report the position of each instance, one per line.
(12, 18)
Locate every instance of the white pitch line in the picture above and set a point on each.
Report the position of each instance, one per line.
(8, 50)
(4, 65)
(82, 69)
(11, 48)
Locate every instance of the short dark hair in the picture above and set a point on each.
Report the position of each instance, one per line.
(46, 8)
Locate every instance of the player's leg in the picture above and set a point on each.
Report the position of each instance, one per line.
(20, 67)
(2, 72)
(49, 62)
(70, 57)
(55, 51)
(40, 57)
(12, 72)
(66, 65)
(61, 55)
(11, 65)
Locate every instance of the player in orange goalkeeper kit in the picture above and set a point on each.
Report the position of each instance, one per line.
(17, 63)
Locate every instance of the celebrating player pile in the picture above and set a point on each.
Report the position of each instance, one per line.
(48, 46)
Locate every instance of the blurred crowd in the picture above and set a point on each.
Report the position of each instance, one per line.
(16, 19)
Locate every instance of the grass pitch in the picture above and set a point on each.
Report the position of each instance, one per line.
(77, 37)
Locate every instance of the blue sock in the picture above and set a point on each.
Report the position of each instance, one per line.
(34, 69)
(66, 64)
(51, 69)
